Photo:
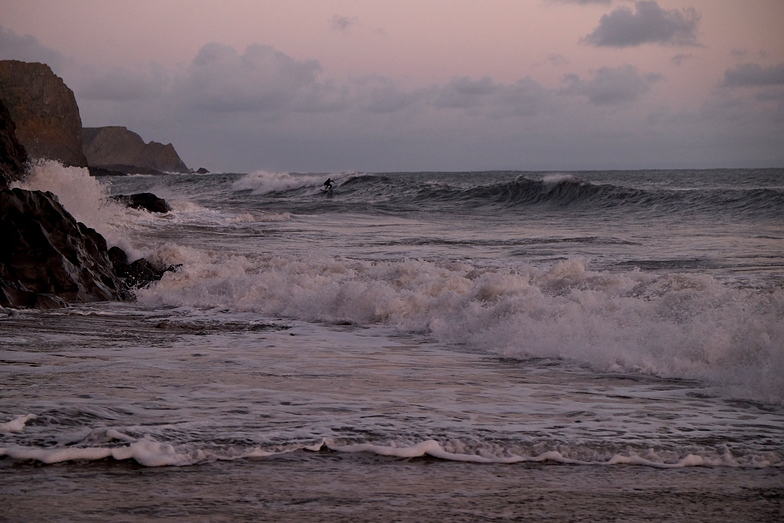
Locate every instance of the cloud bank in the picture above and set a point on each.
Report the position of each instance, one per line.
(754, 75)
(264, 80)
(582, 2)
(262, 108)
(261, 79)
(647, 24)
(612, 86)
(27, 49)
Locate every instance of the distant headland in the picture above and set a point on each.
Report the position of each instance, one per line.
(49, 126)
(116, 148)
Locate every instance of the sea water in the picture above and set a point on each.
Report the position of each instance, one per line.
(411, 339)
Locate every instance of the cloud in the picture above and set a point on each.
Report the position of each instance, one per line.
(525, 97)
(493, 99)
(92, 83)
(611, 86)
(119, 85)
(464, 92)
(754, 75)
(739, 53)
(262, 79)
(378, 94)
(679, 58)
(261, 108)
(343, 23)
(557, 60)
(28, 49)
(581, 2)
(648, 24)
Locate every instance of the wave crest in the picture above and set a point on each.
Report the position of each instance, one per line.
(673, 325)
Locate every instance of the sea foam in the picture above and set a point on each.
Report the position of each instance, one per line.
(151, 453)
(673, 325)
(86, 198)
(17, 424)
(264, 182)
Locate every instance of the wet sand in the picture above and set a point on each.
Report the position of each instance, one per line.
(326, 486)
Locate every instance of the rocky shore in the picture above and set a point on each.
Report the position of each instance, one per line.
(49, 259)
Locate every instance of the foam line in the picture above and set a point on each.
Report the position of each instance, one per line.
(17, 424)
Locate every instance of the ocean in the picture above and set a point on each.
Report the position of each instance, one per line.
(435, 346)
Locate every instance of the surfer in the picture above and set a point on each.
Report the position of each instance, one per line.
(328, 185)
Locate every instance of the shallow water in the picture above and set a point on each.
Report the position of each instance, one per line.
(225, 388)
(461, 346)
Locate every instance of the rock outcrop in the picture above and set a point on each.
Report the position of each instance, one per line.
(144, 200)
(48, 258)
(137, 273)
(13, 156)
(115, 148)
(47, 118)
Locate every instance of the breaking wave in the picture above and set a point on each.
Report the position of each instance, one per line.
(122, 445)
(525, 191)
(672, 325)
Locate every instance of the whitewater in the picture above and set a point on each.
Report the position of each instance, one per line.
(398, 336)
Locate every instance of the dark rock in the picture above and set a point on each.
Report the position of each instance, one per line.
(118, 257)
(100, 171)
(202, 170)
(47, 118)
(118, 149)
(144, 200)
(124, 170)
(140, 273)
(137, 274)
(48, 258)
(13, 156)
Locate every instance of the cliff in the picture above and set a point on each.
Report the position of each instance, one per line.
(47, 118)
(117, 149)
(13, 156)
(47, 258)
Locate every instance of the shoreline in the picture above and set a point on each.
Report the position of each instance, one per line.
(333, 487)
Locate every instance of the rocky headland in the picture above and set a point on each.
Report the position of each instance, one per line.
(48, 124)
(117, 149)
(48, 259)
(49, 127)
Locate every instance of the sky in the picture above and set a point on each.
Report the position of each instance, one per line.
(430, 85)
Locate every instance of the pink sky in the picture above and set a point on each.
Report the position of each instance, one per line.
(428, 84)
